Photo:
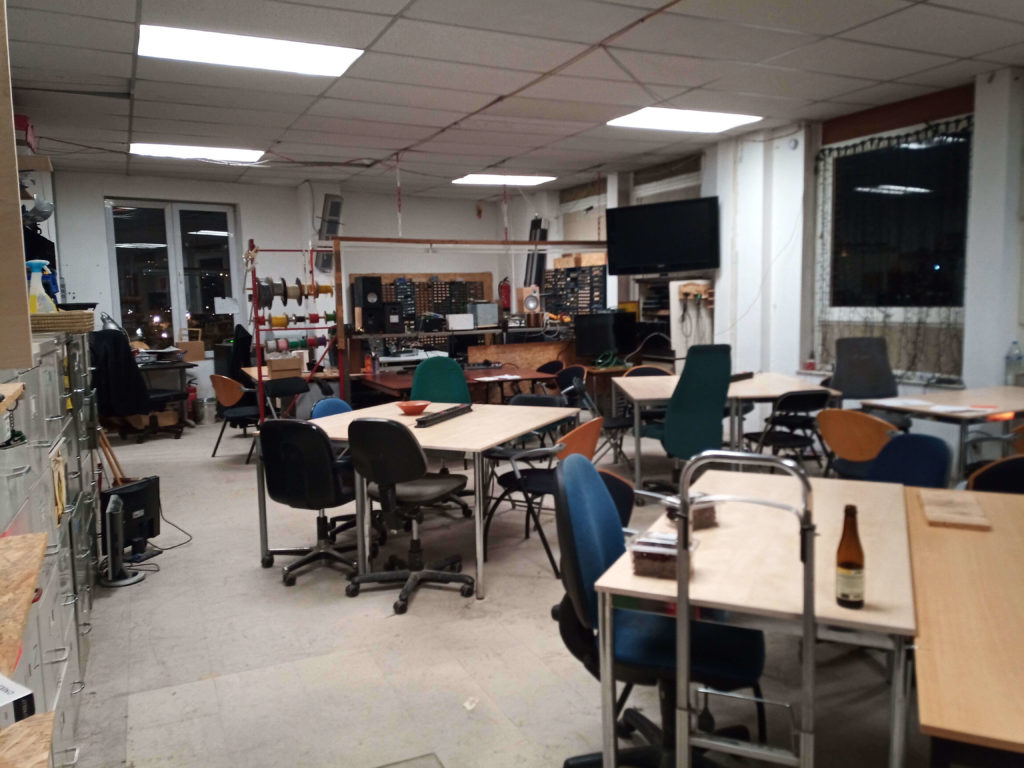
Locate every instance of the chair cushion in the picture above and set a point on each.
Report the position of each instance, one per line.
(242, 413)
(428, 489)
(851, 470)
(655, 429)
(536, 482)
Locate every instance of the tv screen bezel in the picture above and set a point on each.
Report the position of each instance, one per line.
(639, 267)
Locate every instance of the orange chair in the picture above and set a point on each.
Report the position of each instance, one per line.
(534, 483)
(854, 439)
(230, 394)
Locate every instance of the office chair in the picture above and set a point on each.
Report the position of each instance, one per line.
(302, 471)
(552, 367)
(230, 395)
(1014, 439)
(790, 426)
(387, 455)
(862, 372)
(616, 427)
(721, 657)
(1002, 476)
(279, 389)
(534, 483)
(565, 380)
(622, 493)
(439, 380)
(693, 419)
(854, 439)
(920, 460)
(329, 406)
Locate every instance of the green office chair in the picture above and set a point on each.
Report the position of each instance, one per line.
(439, 380)
(693, 419)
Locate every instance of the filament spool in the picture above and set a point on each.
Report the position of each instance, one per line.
(278, 321)
(282, 345)
(294, 292)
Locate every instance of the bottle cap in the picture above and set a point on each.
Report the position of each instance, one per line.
(850, 509)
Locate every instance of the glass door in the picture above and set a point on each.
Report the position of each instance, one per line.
(205, 236)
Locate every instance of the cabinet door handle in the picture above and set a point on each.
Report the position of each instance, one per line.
(18, 472)
(77, 687)
(68, 763)
(85, 629)
(52, 550)
(65, 652)
(70, 599)
(74, 475)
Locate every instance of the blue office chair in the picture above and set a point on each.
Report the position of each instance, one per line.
(329, 406)
(440, 380)
(591, 539)
(920, 460)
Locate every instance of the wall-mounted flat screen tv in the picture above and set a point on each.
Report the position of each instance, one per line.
(663, 237)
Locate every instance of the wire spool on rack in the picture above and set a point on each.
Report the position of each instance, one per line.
(283, 321)
(321, 290)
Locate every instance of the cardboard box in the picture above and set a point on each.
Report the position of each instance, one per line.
(285, 367)
(460, 322)
(566, 262)
(195, 351)
(16, 702)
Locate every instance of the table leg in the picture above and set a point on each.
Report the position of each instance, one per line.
(362, 527)
(636, 446)
(899, 695)
(261, 496)
(606, 651)
(735, 438)
(961, 458)
(480, 494)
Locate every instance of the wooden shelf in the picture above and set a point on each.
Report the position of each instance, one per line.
(27, 743)
(34, 163)
(11, 393)
(21, 558)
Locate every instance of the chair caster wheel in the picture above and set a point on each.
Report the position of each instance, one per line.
(267, 561)
(351, 589)
(400, 607)
(467, 512)
(288, 579)
(466, 590)
(556, 612)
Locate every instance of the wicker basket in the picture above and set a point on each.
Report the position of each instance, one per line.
(73, 321)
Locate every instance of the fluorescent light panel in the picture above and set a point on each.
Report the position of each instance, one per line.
(245, 51)
(211, 233)
(682, 120)
(893, 189)
(494, 179)
(183, 152)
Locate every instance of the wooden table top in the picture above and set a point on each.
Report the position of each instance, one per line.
(330, 374)
(750, 562)
(402, 382)
(645, 390)
(11, 393)
(21, 558)
(995, 403)
(970, 623)
(486, 426)
(27, 743)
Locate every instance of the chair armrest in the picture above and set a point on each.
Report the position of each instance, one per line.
(536, 453)
(343, 464)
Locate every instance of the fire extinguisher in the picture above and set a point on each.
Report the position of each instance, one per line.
(190, 405)
(505, 294)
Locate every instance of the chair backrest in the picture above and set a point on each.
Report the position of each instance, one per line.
(385, 452)
(693, 420)
(920, 460)
(622, 494)
(299, 465)
(120, 388)
(288, 387)
(329, 406)
(589, 533)
(862, 368)
(854, 435)
(551, 366)
(228, 391)
(802, 401)
(646, 370)
(567, 375)
(545, 401)
(582, 440)
(1003, 476)
(440, 380)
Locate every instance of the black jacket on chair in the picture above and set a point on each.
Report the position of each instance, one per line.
(120, 388)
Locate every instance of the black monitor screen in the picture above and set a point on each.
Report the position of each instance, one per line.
(605, 332)
(663, 237)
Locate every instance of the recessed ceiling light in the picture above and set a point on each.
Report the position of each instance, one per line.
(491, 179)
(211, 233)
(141, 246)
(245, 51)
(893, 189)
(684, 120)
(197, 153)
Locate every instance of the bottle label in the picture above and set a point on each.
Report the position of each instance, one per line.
(850, 584)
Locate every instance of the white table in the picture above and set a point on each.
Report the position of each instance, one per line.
(749, 566)
(485, 427)
(649, 391)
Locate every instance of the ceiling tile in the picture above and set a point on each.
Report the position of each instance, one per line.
(576, 20)
(687, 36)
(886, 93)
(60, 123)
(441, 74)
(611, 146)
(226, 98)
(96, 164)
(676, 71)
(339, 128)
(1012, 55)
(940, 30)
(1007, 9)
(487, 153)
(525, 125)
(825, 17)
(746, 104)
(56, 82)
(225, 115)
(368, 6)
(556, 109)
(380, 92)
(167, 133)
(299, 151)
(638, 135)
(387, 113)
(958, 73)
(70, 104)
(845, 57)
(590, 89)
(188, 132)
(60, 28)
(471, 46)
(264, 18)
(788, 83)
(597, 64)
(492, 138)
(117, 10)
(67, 59)
(229, 77)
(826, 110)
(59, 135)
(666, 91)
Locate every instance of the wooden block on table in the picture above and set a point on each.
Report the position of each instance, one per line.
(954, 509)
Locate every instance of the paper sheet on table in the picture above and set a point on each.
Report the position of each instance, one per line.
(961, 409)
(902, 402)
(486, 378)
(953, 508)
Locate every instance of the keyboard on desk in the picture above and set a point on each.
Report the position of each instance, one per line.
(431, 419)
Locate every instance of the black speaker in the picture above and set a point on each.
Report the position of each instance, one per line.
(367, 292)
(373, 318)
(393, 318)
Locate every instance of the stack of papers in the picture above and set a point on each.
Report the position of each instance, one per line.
(502, 377)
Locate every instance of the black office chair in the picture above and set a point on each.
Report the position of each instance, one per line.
(280, 389)
(302, 471)
(863, 372)
(566, 379)
(790, 427)
(1002, 476)
(387, 455)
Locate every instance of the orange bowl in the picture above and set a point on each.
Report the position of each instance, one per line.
(413, 407)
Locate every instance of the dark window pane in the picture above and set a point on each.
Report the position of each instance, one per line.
(206, 258)
(140, 240)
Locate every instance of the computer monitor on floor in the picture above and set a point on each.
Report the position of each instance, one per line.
(131, 516)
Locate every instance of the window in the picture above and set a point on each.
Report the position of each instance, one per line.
(174, 271)
(892, 234)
